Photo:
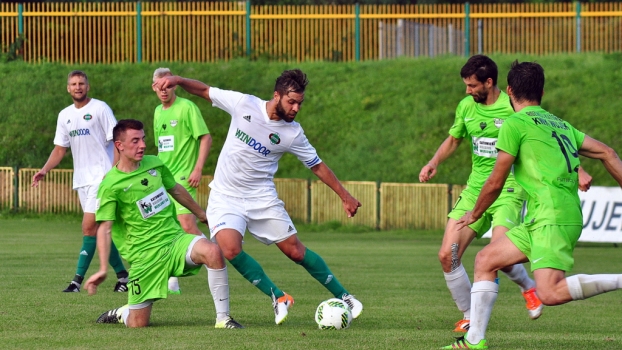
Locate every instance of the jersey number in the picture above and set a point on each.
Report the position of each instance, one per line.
(134, 286)
(565, 145)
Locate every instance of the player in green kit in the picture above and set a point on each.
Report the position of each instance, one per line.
(479, 117)
(183, 142)
(133, 197)
(544, 151)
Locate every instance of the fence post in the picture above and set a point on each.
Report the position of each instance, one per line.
(20, 18)
(467, 29)
(578, 8)
(309, 201)
(15, 188)
(357, 32)
(139, 33)
(248, 28)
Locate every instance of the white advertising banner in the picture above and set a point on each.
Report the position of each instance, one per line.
(602, 215)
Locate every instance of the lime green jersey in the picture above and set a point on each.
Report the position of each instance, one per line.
(481, 124)
(177, 132)
(546, 166)
(138, 203)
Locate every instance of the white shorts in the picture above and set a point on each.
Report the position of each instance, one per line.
(265, 217)
(88, 197)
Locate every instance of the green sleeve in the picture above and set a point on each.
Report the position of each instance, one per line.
(509, 136)
(168, 180)
(458, 129)
(579, 137)
(197, 124)
(106, 204)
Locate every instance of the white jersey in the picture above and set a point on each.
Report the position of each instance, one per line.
(88, 132)
(254, 145)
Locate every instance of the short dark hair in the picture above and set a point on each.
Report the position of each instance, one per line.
(123, 125)
(527, 81)
(482, 67)
(291, 81)
(77, 73)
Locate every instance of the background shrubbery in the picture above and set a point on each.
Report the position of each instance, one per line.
(378, 120)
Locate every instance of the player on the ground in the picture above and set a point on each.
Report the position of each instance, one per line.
(133, 198)
(544, 151)
(86, 128)
(183, 142)
(243, 194)
(479, 117)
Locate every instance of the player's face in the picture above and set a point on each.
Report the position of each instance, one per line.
(289, 105)
(165, 95)
(478, 90)
(132, 145)
(78, 87)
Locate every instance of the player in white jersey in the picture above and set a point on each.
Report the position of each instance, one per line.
(243, 195)
(86, 128)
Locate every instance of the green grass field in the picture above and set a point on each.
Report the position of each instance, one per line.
(395, 274)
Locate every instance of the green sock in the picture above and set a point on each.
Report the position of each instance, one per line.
(315, 265)
(86, 254)
(115, 261)
(252, 271)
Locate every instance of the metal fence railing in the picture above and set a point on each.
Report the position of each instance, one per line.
(195, 31)
(384, 205)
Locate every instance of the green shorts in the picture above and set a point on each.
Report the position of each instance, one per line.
(505, 211)
(148, 280)
(180, 209)
(548, 246)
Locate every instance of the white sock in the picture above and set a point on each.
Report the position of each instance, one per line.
(483, 297)
(124, 315)
(518, 275)
(586, 286)
(218, 281)
(173, 284)
(460, 288)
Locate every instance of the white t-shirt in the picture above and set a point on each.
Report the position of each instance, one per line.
(254, 145)
(88, 132)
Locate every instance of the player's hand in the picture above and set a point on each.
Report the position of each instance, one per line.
(427, 173)
(195, 178)
(465, 220)
(203, 218)
(165, 82)
(351, 205)
(585, 180)
(95, 280)
(38, 177)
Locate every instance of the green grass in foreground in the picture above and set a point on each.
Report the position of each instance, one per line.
(395, 274)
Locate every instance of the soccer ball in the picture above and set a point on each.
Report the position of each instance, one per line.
(333, 314)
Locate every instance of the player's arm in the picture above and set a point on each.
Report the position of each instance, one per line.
(585, 180)
(595, 149)
(446, 149)
(194, 87)
(104, 240)
(491, 190)
(323, 172)
(205, 143)
(55, 157)
(184, 198)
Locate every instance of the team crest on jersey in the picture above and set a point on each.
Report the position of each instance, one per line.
(163, 126)
(87, 117)
(498, 122)
(144, 182)
(173, 123)
(275, 139)
(482, 125)
(152, 172)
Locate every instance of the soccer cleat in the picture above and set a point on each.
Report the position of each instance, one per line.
(462, 326)
(112, 316)
(73, 287)
(281, 305)
(534, 305)
(229, 323)
(462, 343)
(120, 287)
(356, 307)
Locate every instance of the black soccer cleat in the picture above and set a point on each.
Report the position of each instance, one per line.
(112, 316)
(73, 287)
(120, 287)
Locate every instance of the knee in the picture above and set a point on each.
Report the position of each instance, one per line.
(230, 252)
(447, 259)
(483, 262)
(212, 256)
(89, 229)
(548, 297)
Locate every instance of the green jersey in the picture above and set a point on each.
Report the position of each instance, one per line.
(137, 202)
(177, 130)
(546, 166)
(481, 123)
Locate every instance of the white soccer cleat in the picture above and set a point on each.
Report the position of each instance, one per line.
(355, 306)
(281, 305)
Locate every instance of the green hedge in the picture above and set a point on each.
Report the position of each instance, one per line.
(369, 120)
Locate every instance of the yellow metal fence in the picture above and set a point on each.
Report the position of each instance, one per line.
(112, 32)
(385, 205)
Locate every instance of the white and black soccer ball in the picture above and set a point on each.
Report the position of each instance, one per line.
(333, 314)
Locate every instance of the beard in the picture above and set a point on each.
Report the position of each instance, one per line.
(280, 111)
(480, 97)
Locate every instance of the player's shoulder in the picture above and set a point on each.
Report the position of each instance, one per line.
(98, 103)
(184, 101)
(151, 161)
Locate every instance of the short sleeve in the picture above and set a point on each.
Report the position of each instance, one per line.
(168, 180)
(458, 129)
(578, 136)
(61, 138)
(225, 99)
(196, 122)
(510, 136)
(107, 121)
(106, 204)
(304, 151)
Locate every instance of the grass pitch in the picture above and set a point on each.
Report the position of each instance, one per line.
(395, 274)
